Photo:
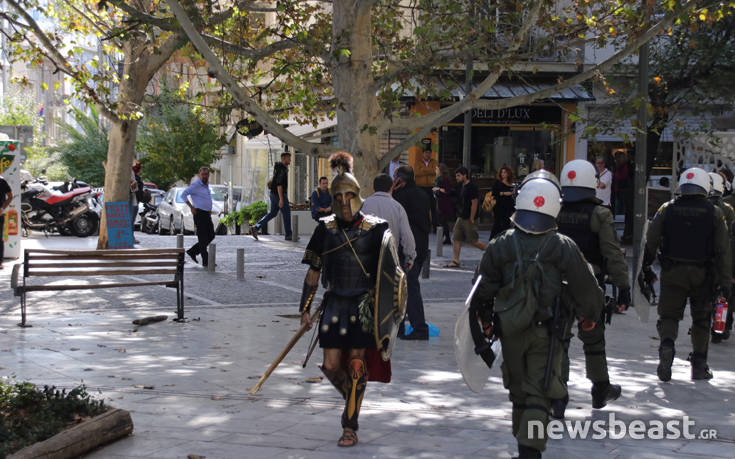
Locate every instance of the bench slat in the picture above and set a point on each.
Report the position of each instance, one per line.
(104, 252)
(104, 264)
(171, 256)
(99, 272)
(33, 288)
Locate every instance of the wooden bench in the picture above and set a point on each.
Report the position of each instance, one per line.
(107, 263)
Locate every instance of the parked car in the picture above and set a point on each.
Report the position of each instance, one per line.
(171, 211)
(219, 207)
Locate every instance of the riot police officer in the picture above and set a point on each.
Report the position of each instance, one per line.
(532, 352)
(591, 226)
(690, 236)
(716, 197)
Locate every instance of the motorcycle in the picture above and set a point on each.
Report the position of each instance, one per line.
(149, 218)
(46, 209)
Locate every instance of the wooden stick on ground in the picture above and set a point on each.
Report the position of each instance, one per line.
(299, 333)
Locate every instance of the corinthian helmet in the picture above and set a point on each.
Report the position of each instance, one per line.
(344, 186)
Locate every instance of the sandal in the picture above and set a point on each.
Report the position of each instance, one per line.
(453, 264)
(348, 438)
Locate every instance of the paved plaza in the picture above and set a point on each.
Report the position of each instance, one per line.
(186, 384)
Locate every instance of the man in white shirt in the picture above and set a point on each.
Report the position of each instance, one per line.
(604, 183)
(382, 205)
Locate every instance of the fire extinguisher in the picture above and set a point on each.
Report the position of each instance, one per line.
(720, 315)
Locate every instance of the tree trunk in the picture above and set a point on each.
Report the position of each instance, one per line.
(358, 112)
(120, 156)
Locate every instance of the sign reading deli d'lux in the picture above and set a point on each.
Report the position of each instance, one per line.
(524, 114)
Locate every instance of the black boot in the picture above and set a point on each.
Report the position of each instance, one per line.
(700, 369)
(604, 392)
(526, 452)
(558, 407)
(666, 354)
(717, 338)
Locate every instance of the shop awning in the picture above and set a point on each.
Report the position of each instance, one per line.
(576, 93)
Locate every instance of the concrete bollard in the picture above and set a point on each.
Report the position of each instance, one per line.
(278, 224)
(426, 269)
(439, 241)
(212, 262)
(240, 264)
(295, 228)
(179, 241)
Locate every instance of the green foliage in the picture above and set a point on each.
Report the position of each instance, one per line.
(29, 414)
(17, 108)
(85, 147)
(251, 214)
(176, 140)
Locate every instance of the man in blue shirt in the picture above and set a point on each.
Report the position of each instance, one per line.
(201, 208)
(321, 201)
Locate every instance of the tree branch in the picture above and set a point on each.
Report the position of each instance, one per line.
(473, 100)
(169, 24)
(244, 101)
(60, 61)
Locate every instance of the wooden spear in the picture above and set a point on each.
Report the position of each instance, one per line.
(299, 333)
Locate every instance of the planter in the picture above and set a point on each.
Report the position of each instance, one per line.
(78, 440)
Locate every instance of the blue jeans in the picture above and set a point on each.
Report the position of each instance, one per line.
(285, 213)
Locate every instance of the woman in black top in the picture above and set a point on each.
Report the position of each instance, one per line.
(504, 201)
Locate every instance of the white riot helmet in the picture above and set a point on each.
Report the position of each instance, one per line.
(578, 180)
(694, 181)
(537, 206)
(718, 184)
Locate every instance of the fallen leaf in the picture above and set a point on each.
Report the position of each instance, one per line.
(314, 380)
(195, 456)
(142, 386)
(74, 349)
(217, 397)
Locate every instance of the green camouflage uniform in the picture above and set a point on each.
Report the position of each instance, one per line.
(525, 353)
(726, 206)
(695, 280)
(601, 223)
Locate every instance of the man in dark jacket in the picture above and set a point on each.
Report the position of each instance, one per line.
(279, 198)
(321, 201)
(418, 208)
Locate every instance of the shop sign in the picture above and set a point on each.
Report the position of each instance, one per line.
(524, 114)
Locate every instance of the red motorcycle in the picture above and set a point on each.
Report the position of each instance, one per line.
(47, 209)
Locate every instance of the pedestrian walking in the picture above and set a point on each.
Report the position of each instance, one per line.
(418, 208)
(350, 270)
(382, 205)
(278, 187)
(465, 228)
(690, 238)
(591, 226)
(201, 209)
(623, 191)
(503, 190)
(527, 267)
(6, 197)
(321, 201)
(445, 201)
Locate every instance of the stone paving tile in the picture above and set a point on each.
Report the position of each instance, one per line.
(200, 371)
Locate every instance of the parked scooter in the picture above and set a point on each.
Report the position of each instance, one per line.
(46, 209)
(149, 218)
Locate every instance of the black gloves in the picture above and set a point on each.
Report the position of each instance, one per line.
(623, 299)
